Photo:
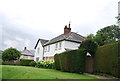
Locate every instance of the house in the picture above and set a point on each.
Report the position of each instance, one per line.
(119, 13)
(45, 50)
(27, 54)
(39, 49)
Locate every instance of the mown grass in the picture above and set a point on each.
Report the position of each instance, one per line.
(24, 72)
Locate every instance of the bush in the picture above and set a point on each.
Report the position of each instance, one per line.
(25, 62)
(89, 45)
(46, 64)
(33, 63)
(1, 61)
(10, 54)
(71, 61)
(12, 62)
(107, 59)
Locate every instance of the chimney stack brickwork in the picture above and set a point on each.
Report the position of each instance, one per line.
(67, 29)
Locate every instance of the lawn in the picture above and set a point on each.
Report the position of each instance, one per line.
(24, 72)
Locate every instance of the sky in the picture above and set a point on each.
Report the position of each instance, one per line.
(23, 22)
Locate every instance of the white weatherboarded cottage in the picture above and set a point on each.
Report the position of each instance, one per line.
(45, 50)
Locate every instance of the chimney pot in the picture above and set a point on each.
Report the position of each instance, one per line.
(25, 48)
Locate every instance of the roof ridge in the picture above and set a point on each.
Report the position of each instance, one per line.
(42, 39)
(78, 34)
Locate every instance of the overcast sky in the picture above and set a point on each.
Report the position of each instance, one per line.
(22, 22)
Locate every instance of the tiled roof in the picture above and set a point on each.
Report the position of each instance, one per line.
(43, 41)
(72, 36)
(28, 52)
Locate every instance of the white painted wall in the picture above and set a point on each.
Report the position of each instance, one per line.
(53, 50)
(71, 45)
(39, 52)
(64, 44)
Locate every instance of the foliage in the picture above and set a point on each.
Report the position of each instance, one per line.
(25, 62)
(91, 36)
(10, 54)
(12, 62)
(46, 64)
(107, 59)
(89, 45)
(57, 61)
(0, 57)
(106, 35)
(23, 73)
(71, 61)
(1, 61)
(33, 63)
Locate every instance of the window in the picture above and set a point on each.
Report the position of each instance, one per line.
(45, 49)
(48, 48)
(25, 57)
(56, 46)
(60, 45)
(38, 50)
(37, 59)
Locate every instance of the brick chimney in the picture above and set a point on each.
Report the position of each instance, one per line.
(67, 29)
(25, 48)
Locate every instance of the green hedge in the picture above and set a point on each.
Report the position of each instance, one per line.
(89, 45)
(25, 62)
(107, 59)
(12, 62)
(71, 61)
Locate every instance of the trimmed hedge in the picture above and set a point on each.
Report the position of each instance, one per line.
(89, 45)
(12, 62)
(71, 61)
(107, 59)
(25, 62)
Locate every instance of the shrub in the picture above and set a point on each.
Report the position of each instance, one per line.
(46, 64)
(10, 54)
(89, 45)
(71, 61)
(25, 62)
(107, 59)
(1, 61)
(33, 63)
(12, 62)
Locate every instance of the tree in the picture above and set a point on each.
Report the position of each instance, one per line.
(108, 35)
(91, 36)
(10, 54)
